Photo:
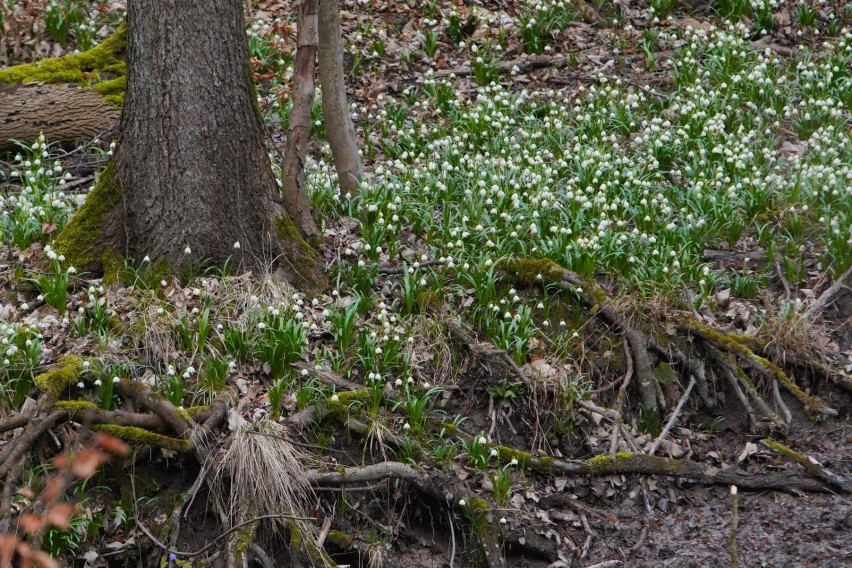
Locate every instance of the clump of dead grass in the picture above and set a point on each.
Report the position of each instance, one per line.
(266, 470)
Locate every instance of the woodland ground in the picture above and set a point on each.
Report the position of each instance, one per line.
(689, 166)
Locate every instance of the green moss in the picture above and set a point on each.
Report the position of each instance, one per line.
(113, 90)
(91, 68)
(77, 407)
(340, 539)
(786, 451)
(626, 462)
(63, 375)
(194, 412)
(299, 545)
(81, 239)
(527, 272)
(664, 373)
(113, 267)
(298, 252)
(135, 435)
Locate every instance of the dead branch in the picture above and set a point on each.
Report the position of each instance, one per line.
(369, 473)
(811, 465)
(14, 422)
(830, 295)
(671, 422)
(740, 378)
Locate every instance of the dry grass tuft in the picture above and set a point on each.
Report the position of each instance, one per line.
(266, 471)
(432, 349)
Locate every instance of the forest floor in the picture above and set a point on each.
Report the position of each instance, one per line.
(693, 177)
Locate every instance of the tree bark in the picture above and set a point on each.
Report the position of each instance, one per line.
(192, 173)
(64, 113)
(68, 99)
(338, 122)
(298, 131)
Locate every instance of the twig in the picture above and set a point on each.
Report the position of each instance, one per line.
(670, 424)
(735, 516)
(780, 273)
(452, 539)
(827, 297)
(212, 543)
(788, 416)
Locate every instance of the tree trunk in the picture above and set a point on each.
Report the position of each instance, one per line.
(338, 122)
(191, 168)
(298, 132)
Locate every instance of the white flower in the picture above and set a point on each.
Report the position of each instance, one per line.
(462, 503)
(514, 461)
(261, 325)
(187, 250)
(116, 379)
(406, 426)
(482, 440)
(80, 385)
(146, 259)
(334, 398)
(304, 372)
(97, 382)
(237, 245)
(493, 453)
(502, 520)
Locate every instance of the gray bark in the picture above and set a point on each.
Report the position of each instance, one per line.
(338, 122)
(298, 132)
(191, 160)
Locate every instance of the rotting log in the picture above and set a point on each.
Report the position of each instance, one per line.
(70, 98)
(64, 112)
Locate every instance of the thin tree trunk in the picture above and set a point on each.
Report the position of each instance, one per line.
(298, 132)
(338, 122)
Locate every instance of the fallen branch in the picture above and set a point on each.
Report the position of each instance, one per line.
(811, 465)
(673, 418)
(375, 472)
(830, 295)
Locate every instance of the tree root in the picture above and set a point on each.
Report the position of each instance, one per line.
(733, 345)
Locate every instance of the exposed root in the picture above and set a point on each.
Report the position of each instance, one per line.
(739, 378)
(731, 344)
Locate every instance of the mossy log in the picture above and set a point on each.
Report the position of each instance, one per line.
(70, 98)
